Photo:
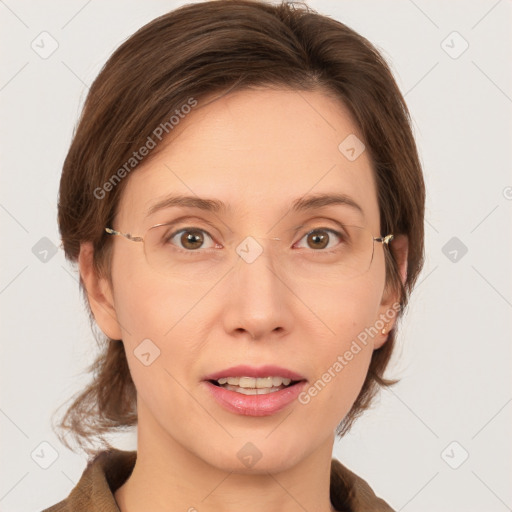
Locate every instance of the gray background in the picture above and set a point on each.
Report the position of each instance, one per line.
(455, 344)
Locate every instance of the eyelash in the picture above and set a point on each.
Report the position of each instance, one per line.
(202, 251)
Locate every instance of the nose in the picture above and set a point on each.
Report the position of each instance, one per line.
(259, 300)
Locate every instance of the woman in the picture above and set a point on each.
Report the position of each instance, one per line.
(244, 200)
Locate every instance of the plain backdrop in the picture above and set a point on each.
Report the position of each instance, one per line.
(440, 440)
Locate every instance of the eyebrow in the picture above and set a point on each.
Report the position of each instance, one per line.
(306, 203)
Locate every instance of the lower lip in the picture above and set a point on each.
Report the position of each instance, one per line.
(255, 405)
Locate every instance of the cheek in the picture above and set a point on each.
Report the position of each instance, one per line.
(148, 304)
(168, 313)
(343, 356)
(346, 310)
(154, 320)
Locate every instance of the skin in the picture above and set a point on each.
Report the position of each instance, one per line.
(256, 150)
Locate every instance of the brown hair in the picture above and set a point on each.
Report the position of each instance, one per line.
(214, 47)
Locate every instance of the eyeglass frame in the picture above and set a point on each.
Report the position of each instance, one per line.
(381, 239)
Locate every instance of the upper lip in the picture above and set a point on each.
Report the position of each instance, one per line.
(252, 371)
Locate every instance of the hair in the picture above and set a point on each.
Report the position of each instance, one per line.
(215, 47)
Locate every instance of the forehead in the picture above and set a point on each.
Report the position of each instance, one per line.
(256, 151)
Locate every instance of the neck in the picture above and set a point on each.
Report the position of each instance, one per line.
(169, 477)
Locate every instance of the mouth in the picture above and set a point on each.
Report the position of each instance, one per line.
(254, 385)
(254, 391)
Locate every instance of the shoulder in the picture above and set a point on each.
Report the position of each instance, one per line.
(104, 473)
(351, 493)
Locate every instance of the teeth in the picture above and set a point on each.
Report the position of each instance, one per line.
(252, 391)
(255, 383)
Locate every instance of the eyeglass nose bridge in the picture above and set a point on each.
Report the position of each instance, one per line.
(250, 247)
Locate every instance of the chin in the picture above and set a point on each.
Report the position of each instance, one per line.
(257, 455)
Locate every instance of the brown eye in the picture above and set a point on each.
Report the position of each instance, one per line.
(189, 239)
(319, 239)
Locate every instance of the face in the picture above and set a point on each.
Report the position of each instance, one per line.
(286, 313)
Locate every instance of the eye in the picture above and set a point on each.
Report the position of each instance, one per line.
(190, 239)
(319, 239)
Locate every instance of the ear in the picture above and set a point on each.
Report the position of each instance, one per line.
(388, 311)
(99, 293)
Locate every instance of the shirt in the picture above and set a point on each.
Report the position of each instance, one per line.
(109, 469)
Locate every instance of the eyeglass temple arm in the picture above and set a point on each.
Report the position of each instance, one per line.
(384, 239)
(111, 231)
